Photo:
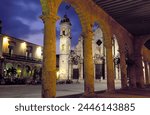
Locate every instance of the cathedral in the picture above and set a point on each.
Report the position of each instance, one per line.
(71, 64)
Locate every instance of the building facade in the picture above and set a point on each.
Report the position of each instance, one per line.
(71, 61)
(19, 59)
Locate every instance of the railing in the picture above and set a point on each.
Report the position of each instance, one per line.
(21, 58)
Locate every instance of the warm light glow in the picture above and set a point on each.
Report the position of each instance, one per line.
(39, 52)
(18, 71)
(23, 45)
(57, 74)
(5, 44)
(5, 40)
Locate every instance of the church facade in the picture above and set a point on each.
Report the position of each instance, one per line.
(71, 61)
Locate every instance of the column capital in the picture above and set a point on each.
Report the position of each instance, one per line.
(48, 17)
(87, 34)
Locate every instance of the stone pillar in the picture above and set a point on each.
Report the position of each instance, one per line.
(70, 69)
(81, 69)
(110, 68)
(22, 70)
(147, 77)
(88, 63)
(81, 60)
(139, 71)
(132, 77)
(49, 56)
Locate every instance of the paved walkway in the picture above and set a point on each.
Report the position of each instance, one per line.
(71, 90)
(34, 91)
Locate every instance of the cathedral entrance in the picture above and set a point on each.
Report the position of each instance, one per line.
(99, 71)
(75, 73)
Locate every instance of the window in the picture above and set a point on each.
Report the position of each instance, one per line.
(63, 32)
(29, 52)
(10, 50)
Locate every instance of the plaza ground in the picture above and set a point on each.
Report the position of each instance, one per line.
(70, 90)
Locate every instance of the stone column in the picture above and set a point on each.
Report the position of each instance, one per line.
(139, 71)
(70, 69)
(49, 56)
(110, 68)
(81, 60)
(88, 63)
(81, 70)
(132, 77)
(22, 70)
(147, 77)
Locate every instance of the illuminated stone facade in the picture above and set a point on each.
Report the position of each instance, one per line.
(99, 58)
(71, 61)
(65, 46)
(22, 57)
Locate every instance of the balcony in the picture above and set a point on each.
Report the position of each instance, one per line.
(21, 58)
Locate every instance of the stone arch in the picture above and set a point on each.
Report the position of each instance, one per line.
(84, 9)
(27, 71)
(7, 67)
(19, 69)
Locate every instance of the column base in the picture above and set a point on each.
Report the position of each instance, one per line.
(140, 85)
(89, 95)
(110, 91)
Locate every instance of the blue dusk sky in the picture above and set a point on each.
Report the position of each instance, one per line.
(20, 19)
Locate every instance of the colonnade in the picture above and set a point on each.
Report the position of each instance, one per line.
(49, 17)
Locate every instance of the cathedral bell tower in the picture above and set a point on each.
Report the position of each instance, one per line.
(65, 45)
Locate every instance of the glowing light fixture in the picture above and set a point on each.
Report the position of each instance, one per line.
(5, 44)
(5, 40)
(39, 52)
(23, 45)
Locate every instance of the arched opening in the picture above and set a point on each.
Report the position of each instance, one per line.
(27, 71)
(146, 61)
(69, 49)
(99, 58)
(10, 70)
(49, 90)
(19, 71)
(116, 59)
(9, 73)
(98, 53)
(36, 75)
